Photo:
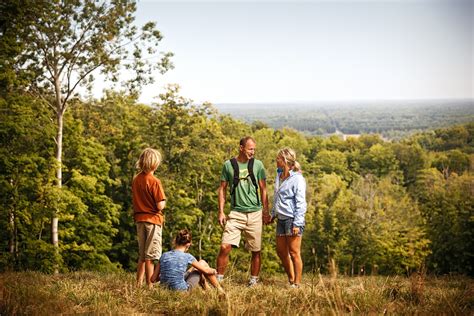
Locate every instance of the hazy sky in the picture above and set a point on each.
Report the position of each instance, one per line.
(263, 51)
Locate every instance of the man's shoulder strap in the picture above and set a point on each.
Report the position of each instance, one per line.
(252, 177)
(235, 182)
(235, 167)
(250, 169)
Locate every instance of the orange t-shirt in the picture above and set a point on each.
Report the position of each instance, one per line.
(147, 192)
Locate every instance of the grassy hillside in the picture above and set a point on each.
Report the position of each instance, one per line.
(87, 292)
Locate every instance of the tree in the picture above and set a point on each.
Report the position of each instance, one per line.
(25, 137)
(68, 42)
(411, 159)
(446, 205)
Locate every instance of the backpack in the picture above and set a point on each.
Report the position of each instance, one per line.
(235, 166)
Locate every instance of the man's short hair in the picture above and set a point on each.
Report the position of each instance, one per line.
(244, 140)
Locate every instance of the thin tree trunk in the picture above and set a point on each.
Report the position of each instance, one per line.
(11, 242)
(13, 238)
(59, 140)
(200, 237)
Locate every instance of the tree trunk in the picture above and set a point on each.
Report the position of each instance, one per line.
(59, 154)
(59, 175)
(12, 241)
(200, 238)
(13, 238)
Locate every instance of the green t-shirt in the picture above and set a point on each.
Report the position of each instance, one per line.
(245, 193)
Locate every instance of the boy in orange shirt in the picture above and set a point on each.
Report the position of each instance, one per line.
(149, 200)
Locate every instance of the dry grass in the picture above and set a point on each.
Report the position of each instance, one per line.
(33, 293)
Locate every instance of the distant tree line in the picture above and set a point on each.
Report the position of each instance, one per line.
(391, 119)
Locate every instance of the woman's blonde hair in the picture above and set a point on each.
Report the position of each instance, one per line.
(289, 157)
(149, 160)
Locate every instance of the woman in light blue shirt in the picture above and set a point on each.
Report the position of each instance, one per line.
(289, 207)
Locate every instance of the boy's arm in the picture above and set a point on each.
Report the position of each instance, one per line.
(161, 205)
(159, 196)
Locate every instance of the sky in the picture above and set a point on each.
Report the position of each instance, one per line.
(300, 51)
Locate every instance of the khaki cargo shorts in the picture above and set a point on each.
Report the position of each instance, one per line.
(248, 224)
(149, 241)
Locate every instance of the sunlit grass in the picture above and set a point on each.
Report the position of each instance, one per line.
(34, 293)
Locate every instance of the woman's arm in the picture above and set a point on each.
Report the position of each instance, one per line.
(204, 268)
(300, 202)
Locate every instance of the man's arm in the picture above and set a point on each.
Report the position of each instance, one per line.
(263, 194)
(221, 202)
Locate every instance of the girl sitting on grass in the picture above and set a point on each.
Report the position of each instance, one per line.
(171, 269)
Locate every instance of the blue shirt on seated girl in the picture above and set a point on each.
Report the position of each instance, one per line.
(172, 271)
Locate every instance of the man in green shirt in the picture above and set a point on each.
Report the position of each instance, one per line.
(246, 215)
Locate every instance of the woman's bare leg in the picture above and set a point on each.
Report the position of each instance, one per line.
(294, 245)
(283, 253)
(211, 277)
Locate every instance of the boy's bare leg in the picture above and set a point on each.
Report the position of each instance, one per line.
(149, 267)
(154, 276)
(140, 272)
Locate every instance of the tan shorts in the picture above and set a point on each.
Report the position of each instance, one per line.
(149, 241)
(250, 224)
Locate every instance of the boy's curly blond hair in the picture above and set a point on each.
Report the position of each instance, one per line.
(149, 160)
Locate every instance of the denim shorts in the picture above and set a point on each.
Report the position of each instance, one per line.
(192, 279)
(285, 228)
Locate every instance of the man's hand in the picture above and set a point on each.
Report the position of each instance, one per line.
(266, 217)
(222, 219)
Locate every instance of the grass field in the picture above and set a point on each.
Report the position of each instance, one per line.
(31, 293)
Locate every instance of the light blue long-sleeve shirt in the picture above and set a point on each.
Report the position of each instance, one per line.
(289, 200)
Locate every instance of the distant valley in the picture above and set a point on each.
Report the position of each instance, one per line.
(392, 119)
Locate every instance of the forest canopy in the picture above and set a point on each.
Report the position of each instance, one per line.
(67, 162)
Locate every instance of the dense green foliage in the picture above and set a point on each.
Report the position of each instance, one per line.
(373, 206)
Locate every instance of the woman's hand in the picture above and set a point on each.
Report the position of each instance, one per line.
(211, 271)
(296, 231)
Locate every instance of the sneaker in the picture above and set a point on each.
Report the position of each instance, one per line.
(294, 286)
(252, 282)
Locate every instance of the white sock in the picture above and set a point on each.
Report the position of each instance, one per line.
(220, 277)
(253, 278)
